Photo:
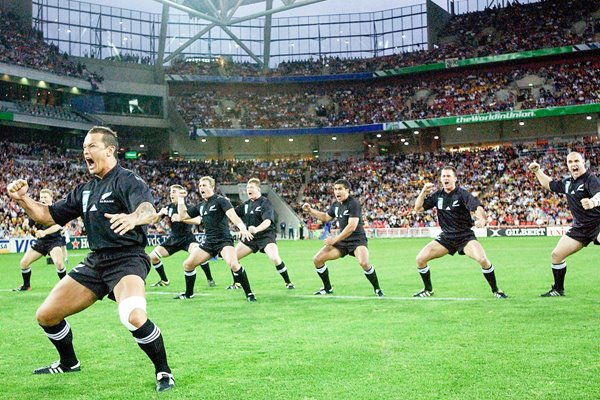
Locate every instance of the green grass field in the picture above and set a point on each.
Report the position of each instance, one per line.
(460, 344)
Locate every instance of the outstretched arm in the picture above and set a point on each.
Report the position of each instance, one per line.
(17, 190)
(540, 175)
(320, 215)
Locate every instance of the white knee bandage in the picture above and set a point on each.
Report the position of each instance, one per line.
(127, 306)
(156, 254)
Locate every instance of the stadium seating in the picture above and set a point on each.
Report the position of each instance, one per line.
(25, 46)
(392, 99)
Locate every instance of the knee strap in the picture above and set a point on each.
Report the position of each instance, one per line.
(156, 254)
(126, 307)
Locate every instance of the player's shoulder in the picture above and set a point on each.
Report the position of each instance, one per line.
(461, 190)
(591, 176)
(128, 174)
(353, 201)
(264, 200)
(221, 200)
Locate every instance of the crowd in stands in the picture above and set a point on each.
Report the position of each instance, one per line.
(49, 111)
(516, 27)
(217, 67)
(22, 45)
(130, 58)
(388, 100)
(386, 187)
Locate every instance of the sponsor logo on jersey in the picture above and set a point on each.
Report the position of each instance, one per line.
(105, 198)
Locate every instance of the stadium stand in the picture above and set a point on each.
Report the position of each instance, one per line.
(25, 46)
(48, 111)
(392, 99)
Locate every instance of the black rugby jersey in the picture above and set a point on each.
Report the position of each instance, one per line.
(214, 220)
(253, 213)
(586, 186)
(453, 209)
(178, 229)
(120, 191)
(343, 211)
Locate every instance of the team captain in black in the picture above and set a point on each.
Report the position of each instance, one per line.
(257, 213)
(114, 206)
(181, 238)
(583, 196)
(454, 206)
(214, 211)
(351, 239)
(49, 241)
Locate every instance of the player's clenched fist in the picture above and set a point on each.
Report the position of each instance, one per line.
(534, 167)
(306, 207)
(588, 204)
(17, 189)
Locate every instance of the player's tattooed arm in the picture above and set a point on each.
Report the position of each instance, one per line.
(123, 223)
(146, 214)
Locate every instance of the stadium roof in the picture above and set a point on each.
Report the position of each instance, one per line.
(221, 14)
(207, 5)
(222, 11)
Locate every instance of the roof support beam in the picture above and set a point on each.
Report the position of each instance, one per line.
(224, 19)
(242, 45)
(267, 36)
(189, 42)
(164, 22)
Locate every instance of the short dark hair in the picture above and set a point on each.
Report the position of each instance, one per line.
(109, 137)
(449, 167)
(344, 183)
